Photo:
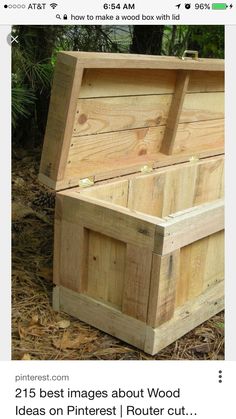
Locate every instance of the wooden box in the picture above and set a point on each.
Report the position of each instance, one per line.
(134, 147)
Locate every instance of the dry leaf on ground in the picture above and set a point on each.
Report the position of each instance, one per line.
(69, 342)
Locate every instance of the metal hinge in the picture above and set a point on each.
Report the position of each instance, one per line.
(194, 159)
(146, 169)
(87, 181)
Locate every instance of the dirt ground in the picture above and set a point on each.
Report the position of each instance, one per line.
(39, 333)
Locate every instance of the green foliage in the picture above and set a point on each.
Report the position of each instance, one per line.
(207, 40)
(22, 100)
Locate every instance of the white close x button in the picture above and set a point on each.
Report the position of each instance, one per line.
(14, 39)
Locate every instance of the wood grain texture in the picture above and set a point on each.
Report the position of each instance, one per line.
(107, 153)
(119, 224)
(103, 316)
(123, 147)
(215, 267)
(123, 104)
(106, 269)
(115, 192)
(168, 190)
(193, 137)
(106, 170)
(151, 199)
(206, 81)
(112, 60)
(57, 240)
(186, 318)
(181, 87)
(165, 274)
(202, 107)
(74, 254)
(65, 90)
(201, 266)
(125, 82)
(135, 332)
(97, 115)
(184, 228)
(209, 181)
(136, 282)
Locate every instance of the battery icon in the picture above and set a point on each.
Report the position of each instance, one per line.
(219, 6)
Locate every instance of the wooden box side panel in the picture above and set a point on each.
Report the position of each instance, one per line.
(201, 266)
(184, 275)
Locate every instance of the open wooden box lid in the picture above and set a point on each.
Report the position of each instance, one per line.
(115, 114)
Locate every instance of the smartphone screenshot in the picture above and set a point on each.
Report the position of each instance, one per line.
(117, 211)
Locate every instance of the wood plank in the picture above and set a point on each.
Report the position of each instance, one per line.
(186, 318)
(209, 181)
(165, 192)
(215, 267)
(113, 60)
(202, 107)
(125, 82)
(165, 274)
(181, 87)
(93, 150)
(59, 130)
(206, 81)
(197, 136)
(98, 115)
(106, 268)
(106, 170)
(103, 316)
(146, 194)
(137, 282)
(179, 188)
(184, 228)
(107, 114)
(74, 256)
(107, 219)
(201, 266)
(115, 192)
(57, 241)
(193, 261)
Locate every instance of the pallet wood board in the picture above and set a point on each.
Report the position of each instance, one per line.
(112, 60)
(113, 82)
(110, 114)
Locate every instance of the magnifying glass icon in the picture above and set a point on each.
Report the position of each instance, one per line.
(58, 16)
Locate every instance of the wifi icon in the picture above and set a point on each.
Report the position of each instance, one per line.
(53, 5)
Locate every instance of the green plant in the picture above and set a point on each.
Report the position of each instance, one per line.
(22, 99)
